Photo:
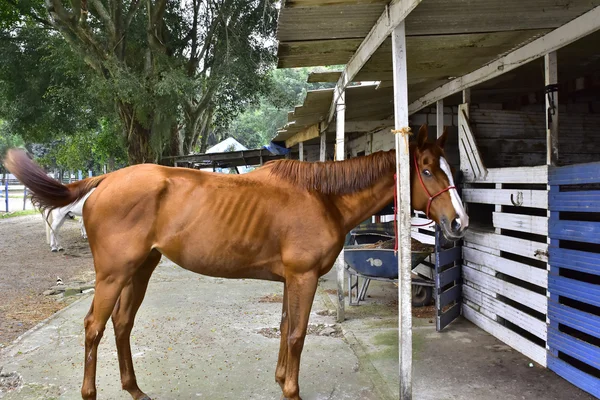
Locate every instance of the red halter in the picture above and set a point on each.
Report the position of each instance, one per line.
(431, 198)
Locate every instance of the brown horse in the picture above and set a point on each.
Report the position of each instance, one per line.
(283, 222)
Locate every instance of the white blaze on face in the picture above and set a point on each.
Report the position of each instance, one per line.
(462, 217)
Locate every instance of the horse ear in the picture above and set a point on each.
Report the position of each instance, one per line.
(441, 141)
(422, 136)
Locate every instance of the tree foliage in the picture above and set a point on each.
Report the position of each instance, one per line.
(168, 71)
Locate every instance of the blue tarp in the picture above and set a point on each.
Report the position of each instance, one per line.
(276, 149)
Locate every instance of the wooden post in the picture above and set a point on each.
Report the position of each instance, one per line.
(551, 80)
(339, 156)
(323, 153)
(403, 212)
(466, 95)
(24, 197)
(6, 192)
(439, 118)
(301, 151)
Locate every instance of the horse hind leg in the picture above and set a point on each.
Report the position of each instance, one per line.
(56, 224)
(123, 317)
(111, 277)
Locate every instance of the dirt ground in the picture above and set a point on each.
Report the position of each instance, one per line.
(28, 268)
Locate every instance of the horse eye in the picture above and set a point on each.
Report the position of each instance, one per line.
(426, 172)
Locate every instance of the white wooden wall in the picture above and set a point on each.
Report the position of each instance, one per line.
(496, 287)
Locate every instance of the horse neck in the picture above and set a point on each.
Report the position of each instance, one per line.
(358, 206)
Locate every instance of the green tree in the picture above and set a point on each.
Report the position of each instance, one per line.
(259, 123)
(171, 73)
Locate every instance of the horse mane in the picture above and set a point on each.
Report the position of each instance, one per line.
(335, 177)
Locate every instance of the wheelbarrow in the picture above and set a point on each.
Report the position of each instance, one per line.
(363, 261)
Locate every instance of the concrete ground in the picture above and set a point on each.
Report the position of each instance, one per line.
(460, 363)
(200, 337)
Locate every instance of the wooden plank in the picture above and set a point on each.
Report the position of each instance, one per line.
(577, 377)
(395, 13)
(580, 320)
(323, 147)
(580, 201)
(579, 231)
(368, 126)
(470, 156)
(578, 349)
(521, 223)
(573, 289)
(439, 117)
(325, 76)
(514, 340)
(309, 133)
(582, 261)
(340, 154)
(527, 273)
(521, 295)
(573, 30)
(521, 197)
(575, 174)
(522, 247)
(517, 317)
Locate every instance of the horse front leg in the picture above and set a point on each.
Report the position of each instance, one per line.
(282, 359)
(300, 292)
(123, 318)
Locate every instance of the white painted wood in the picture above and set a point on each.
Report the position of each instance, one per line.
(480, 247)
(538, 174)
(471, 162)
(301, 151)
(368, 126)
(533, 300)
(497, 307)
(522, 247)
(527, 273)
(340, 153)
(323, 148)
(522, 197)
(439, 117)
(423, 238)
(404, 210)
(479, 288)
(498, 209)
(482, 310)
(568, 33)
(551, 78)
(394, 14)
(521, 223)
(466, 98)
(514, 340)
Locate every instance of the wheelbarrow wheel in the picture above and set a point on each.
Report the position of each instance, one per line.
(421, 295)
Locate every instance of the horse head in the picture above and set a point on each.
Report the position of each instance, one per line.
(432, 186)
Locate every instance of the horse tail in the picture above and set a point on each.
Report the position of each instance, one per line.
(46, 193)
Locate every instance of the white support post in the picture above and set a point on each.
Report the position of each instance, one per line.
(403, 212)
(466, 95)
(323, 152)
(551, 80)
(340, 152)
(439, 117)
(301, 151)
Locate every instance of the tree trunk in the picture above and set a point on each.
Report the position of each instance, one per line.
(137, 137)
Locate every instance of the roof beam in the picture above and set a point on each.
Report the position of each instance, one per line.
(306, 134)
(566, 34)
(394, 13)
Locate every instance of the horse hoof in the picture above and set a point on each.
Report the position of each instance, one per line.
(61, 249)
(54, 250)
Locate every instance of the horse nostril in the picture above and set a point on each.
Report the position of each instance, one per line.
(455, 226)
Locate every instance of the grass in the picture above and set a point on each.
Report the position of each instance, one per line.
(18, 214)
